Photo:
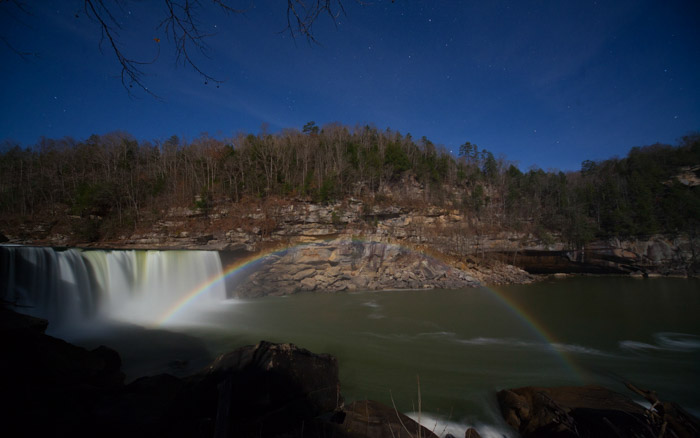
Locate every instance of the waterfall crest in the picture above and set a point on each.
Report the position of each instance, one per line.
(75, 285)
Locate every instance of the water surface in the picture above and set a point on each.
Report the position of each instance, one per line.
(462, 345)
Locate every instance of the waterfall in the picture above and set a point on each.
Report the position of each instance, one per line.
(75, 285)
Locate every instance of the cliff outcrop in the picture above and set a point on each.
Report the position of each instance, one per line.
(644, 256)
(350, 265)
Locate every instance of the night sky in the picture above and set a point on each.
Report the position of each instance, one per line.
(546, 83)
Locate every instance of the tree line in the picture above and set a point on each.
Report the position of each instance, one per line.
(121, 181)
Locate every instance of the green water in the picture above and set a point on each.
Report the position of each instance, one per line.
(463, 345)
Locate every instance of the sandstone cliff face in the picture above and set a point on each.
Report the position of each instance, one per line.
(347, 265)
(442, 231)
(463, 241)
(649, 256)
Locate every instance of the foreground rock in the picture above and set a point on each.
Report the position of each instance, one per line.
(590, 411)
(350, 265)
(266, 390)
(372, 419)
(48, 386)
(52, 388)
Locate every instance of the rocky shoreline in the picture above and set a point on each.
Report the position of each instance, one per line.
(53, 388)
(50, 387)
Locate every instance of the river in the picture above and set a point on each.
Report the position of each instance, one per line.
(460, 346)
(455, 347)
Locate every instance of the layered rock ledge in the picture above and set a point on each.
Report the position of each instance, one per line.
(248, 229)
(350, 265)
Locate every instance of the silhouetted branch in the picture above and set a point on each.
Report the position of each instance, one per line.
(301, 15)
(131, 73)
(24, 10)
(183, 27)
(24, 55)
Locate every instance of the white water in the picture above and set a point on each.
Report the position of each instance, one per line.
(442, 427)
(666, 341)
(76, 286)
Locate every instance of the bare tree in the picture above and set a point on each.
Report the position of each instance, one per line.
(301, 15)
(183, 26)
(14, 9)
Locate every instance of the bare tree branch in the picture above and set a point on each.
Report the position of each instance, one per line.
(131, 73)
(181, 25)
(183, 28)
(22, 54)
(24, 10)
(301, 15)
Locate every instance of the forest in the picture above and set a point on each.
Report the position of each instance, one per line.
(115, 182)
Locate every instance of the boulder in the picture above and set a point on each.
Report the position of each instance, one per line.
(264, 390)
(471, 433)
(589, 411)
(372, 419)
(49, 387)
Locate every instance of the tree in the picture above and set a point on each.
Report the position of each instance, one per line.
(490, 166)
(588, 167)
(469, 151)
(310, 128)
(183, 26)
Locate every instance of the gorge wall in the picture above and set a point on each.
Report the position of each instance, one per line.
(463, 241)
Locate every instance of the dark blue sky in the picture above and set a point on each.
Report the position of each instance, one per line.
(546, 83)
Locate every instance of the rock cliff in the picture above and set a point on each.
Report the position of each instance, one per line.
(466, 243)
(350, 265)
(647, 256)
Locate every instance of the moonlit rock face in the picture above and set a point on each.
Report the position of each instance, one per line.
(146, 287)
